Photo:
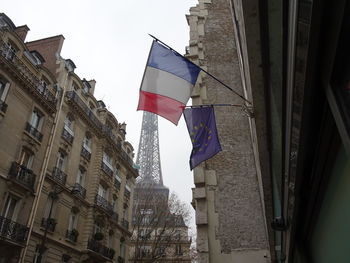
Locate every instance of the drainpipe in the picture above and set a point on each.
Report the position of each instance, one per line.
(43, 171)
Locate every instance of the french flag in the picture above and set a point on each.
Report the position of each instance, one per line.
(167, 83)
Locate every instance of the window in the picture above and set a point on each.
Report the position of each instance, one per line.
(87, 143)
(42, 87)
(122, 247)
(37, 257)
(9, 51)
(80, 177)
(4, 87)
(36, 120)
(9, 210)
(68, 125)
(86, 87)
(178, 250)
(110, 241)
(107, 160)
(26, 158)
(61, 161)
(98, 227)
(102, 191)
(73, 221)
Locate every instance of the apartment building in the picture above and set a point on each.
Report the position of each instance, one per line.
(67, 172)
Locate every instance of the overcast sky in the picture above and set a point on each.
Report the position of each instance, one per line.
(108, 41)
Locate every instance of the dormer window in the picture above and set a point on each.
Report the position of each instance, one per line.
(86, 87)
(9, 51)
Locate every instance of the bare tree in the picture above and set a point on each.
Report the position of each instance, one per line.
(159, 225)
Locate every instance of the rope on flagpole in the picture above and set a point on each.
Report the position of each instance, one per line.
(246, 109)
(222, 83)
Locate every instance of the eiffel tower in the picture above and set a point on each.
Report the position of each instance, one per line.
(148, 156)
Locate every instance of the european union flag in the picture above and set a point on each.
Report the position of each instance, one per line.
(202, 129)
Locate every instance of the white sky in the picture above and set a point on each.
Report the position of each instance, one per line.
(108, 41)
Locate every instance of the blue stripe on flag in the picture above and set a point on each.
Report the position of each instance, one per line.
(163, 58)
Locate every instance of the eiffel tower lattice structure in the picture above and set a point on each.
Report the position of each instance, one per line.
(148, 156)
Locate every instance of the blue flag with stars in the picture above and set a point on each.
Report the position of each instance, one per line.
(201, 126)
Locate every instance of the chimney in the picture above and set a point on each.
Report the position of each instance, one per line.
(22, 31)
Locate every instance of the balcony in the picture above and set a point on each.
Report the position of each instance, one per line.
(67, 136)
(124, 223)
(12, 63)
(104, 204)
(12, 231)
(3, 106)
(72, 235)
(49, 224)
(106, 169)
(74, 98)
(22, 175)
(97, 247)
(85, 153)
(79, 191)
(34, 132)
(59, 176)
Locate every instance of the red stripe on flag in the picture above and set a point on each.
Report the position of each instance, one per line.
(166, 107)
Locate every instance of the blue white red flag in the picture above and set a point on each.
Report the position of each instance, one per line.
(201, 126)
(167, 83)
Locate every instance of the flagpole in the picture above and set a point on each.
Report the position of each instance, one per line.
(222, 83)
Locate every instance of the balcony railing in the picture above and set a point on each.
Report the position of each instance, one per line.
(67, 136)
(85, 153)
(49, 224)
(124, 223)
(13, 231)
(104, 204)
(59, 176)
(101, 249)
(3, 106)
(34, 132)
(22, 175)
(106, 169)
(30, 80)
(78, 190)
(72, 235)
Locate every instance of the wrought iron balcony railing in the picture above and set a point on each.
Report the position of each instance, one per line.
(59, 176)
(12, 231)
(78, 190)
(34, 132)
(85, 153)
(72, 235)
(3, 106)
(106, 169)
(22, 175)
(67, 136)
(30, 80)
(96, 246)
(49, 224)
(104, 204)
(124, 223)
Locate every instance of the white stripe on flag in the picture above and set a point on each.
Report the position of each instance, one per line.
(166, 84)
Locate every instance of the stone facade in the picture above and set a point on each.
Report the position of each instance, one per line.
(66, 170)
(227, 194)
